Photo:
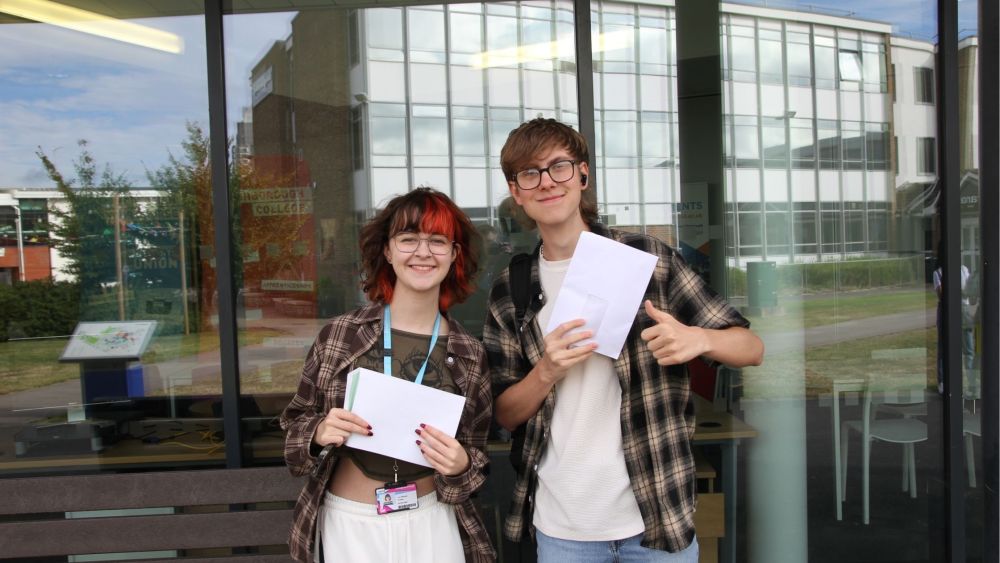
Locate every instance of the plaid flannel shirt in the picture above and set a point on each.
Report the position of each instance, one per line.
(657, 413)
(339, 344)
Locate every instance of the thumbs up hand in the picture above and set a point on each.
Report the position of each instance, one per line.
(671, 341)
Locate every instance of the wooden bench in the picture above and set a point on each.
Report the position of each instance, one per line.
(209, 516)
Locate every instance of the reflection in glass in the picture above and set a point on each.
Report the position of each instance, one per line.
(972, 258)
(849, 241)
(106, 234)
(344, 108)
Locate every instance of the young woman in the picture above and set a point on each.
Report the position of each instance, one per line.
(418, 258)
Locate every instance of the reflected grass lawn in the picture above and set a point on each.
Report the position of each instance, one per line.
(30, 364)
(34, 363)
(781, 375)
(836, 308)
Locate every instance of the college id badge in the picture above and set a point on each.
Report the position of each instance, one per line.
(395, 497)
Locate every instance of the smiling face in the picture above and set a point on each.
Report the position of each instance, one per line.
(552, 204)
(421, 271)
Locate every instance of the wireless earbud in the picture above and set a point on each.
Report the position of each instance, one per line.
(583, 179)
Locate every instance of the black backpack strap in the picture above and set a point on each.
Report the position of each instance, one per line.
(520, 285)
(520, 294)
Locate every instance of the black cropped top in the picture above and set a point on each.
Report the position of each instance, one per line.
(408, 353)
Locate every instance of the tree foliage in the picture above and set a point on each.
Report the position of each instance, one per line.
(85, 222)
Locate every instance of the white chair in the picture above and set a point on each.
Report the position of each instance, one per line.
(906, 430)
(849, 388)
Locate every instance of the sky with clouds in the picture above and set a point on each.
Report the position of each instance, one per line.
(131, 103)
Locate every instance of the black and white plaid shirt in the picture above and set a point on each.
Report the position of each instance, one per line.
(657, 413)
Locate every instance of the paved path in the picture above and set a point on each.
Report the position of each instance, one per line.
(859, 329)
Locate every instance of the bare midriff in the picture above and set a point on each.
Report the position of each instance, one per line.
(350, 483)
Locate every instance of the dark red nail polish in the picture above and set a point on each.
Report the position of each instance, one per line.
(370, 433)
(422, 425)
(418, 442)
(369, 426)
(417, 431)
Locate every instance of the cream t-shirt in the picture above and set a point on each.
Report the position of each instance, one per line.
(584, 492)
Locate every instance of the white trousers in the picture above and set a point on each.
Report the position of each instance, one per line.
(351, 532)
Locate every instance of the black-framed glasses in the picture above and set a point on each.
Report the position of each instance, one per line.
(408, 243)
(560, 172)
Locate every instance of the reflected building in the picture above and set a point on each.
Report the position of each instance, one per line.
(297, 136)
(829, 122)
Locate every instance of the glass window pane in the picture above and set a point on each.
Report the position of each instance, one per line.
(744, 54)
(850, 65)
(653, 45)
(109, 343)
(430, 136)
(338, 139)
(384, 27)
(826, 75)
(426, 29)
(798, 63)
(770, 62)
(842, 242)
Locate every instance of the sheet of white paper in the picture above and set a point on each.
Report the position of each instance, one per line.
(604, 286)
(395, 408)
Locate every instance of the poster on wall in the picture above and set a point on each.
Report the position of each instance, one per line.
(692, 226)
(115, 340)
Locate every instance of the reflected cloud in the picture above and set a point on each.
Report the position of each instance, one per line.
(131, 103)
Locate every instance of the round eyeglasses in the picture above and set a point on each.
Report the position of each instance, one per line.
(408, 243)
(531, 178)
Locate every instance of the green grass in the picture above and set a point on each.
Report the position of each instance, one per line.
(34, 363)
(30, 364)
(837, 308)
(781, 375)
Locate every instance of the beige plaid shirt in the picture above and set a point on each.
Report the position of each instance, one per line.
(342, 341)
(657, 414)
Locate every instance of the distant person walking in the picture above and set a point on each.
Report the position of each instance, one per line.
(968, 321)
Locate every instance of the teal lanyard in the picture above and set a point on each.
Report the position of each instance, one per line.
(387, 345)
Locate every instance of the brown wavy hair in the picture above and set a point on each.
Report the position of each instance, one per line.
(540, 134)
(421, 210)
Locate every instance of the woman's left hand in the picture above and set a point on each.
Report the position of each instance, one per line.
(445, 454)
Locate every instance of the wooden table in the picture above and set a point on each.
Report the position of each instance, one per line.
(718, 427)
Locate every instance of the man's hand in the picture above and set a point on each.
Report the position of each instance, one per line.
(560, 352)
(521, 401)
(338, 425)
(671, 341)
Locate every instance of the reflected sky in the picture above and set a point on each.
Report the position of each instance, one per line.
(59, 86)
(909, 18)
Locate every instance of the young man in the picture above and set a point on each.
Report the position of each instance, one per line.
(607, 463)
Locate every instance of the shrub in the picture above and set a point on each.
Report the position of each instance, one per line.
(38, 308)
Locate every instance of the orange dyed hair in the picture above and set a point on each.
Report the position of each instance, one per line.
(421, 210)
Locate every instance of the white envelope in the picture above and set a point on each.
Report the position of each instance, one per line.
(395, 408)
(604, 286)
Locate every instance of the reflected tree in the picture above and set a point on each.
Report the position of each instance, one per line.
(88, 222)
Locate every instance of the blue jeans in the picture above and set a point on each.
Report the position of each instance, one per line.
(554, 550)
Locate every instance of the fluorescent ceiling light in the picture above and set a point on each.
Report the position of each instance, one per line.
(61, 15)
(562, 48)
